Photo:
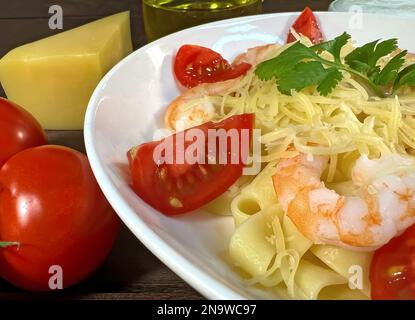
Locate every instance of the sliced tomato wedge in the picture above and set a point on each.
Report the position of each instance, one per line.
(194, 65)
(392, 271)
(307, 25)
(176, 177)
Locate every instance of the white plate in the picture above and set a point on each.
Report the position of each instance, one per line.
(128, 106)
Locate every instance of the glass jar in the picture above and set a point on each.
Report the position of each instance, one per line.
(162, 17)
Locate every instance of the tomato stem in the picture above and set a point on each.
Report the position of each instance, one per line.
(6, 244)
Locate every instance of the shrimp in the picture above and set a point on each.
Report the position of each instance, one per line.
(205, 111)
(200, 113)
(256, 55)
(381, 207)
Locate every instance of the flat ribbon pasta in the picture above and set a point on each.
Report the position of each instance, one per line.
(269, 248)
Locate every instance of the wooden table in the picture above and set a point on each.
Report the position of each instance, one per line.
(131, 271)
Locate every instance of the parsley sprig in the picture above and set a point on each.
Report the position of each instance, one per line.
(299, 67)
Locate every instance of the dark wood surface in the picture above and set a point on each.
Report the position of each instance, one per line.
(130, 271)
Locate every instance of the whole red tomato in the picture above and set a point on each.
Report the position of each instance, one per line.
(19, 130)
(51, 204)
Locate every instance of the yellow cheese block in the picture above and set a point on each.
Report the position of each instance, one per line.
(54, 78)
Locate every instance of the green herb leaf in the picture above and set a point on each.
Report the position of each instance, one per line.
(390, 71)
(360, 66)
(333, 46)
(332, 79)
(303, 75)
(361, 54)
(274, 68)
(371, 52)
(299, 67)
(383, 49)
(406, 77)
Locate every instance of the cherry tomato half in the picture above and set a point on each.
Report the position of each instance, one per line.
(51, 204)
(181, 186)
(392, 272)
(194, 65)
(19, 130)
(307, 25)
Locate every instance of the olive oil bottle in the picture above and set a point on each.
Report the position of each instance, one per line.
(162, 17)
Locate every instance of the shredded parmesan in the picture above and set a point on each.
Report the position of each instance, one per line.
(347, 123)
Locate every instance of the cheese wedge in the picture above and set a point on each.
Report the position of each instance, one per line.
(54, 78)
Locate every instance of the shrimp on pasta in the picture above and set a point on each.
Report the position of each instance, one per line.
(381, 207)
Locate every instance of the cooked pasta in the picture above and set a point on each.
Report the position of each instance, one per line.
(268, 247)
